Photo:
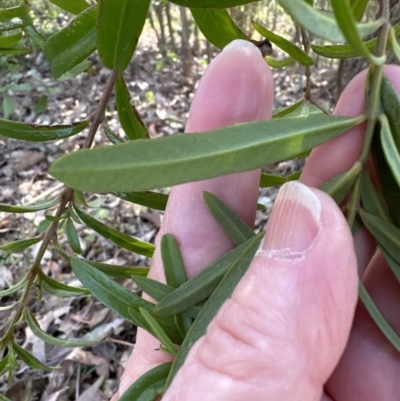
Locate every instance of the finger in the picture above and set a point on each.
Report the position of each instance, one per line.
(370, 365)
(237, 87)
(281, 334)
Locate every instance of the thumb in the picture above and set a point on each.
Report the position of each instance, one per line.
(281, 334)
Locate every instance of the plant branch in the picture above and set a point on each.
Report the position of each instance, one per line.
(66, 196)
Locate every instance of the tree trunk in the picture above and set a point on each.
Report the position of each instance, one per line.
(160, 17)
(186, 54)
(170, 28)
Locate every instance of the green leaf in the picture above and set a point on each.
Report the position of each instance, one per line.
(288, 47)
(39, 133)
(119, 25)
(41, 105)
(390, 101)
(237, 230)
(372, 199)
(158, 332)
(14, 288)
(202, 285)
(212, 3)
(112, 137)
(271, 180)
(29, 359)
(155, 289)
(3, 398)
(358, 7)
(10, 40)
(48, 339)
(137, 165)
(275, 63)
(123, 240)
(58, 289)
(8, 307)
(72, 236)
(3, 366)
(36, 37)
(347, 23)
(388, 184)
(128, 116)
(14, 17)
(75, 71)
(20, 245)
(73, 44)
(342, 51)
(217, 26)
(393, 44)
(8, 106)
(148, 386)
(339, 186)
(377, 316)
(174, 269)
(150, 199)
(288, 110)
(214, 303)
(15, 50)
(322, 24)
(390, 149)
(116, 297)
(72, 6)
(387, 235)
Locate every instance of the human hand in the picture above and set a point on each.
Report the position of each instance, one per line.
(282, 334)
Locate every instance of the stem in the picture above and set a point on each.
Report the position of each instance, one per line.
(306, 45)
(66, 197)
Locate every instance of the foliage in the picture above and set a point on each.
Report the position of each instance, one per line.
(141, 164)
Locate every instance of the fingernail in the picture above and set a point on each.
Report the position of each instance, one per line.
(242, 44)
(294, 222)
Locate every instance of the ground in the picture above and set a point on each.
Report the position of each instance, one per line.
(162, 97)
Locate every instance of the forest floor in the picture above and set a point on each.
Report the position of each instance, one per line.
(162, 96)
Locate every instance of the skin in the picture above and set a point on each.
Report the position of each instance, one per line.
(293, 329)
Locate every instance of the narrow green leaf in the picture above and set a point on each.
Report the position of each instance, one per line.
(202, 285)
(120, 271)
(36, 37)
(212, 3)
(48, 339)
(322, 24)
(148, 386)
(112, 137)
(379, 319)
(4, 398)
(174, 269)
(389, 148)
(14, 17)
(15, 50)
(14, 288)
(39, 133)
(237, 230)
(275, 63)
(73, 44)
(72, 6)
(75, 71)
(393, 44)
(150, 199)
(214, 303)
(72, 236)
(8, 106)
(347, 23)
(8, 307)
(339, 186)
(387, 236)
(390, 100)
(126, 241)
(285, 45)
(116, 297)
(372, 199)
(20, 245)
(136, 165)
(10, 40)
(358, 7)
(155, 289)
(289, 110)
(271, 180)
(158, 332)
(47, 204)
(217, 26)
(119, 25)
(29, 359)
(58, 289)
(3, 366)
(128, 116)
(388, 184)
(183, 324)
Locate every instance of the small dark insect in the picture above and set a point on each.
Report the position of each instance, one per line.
(264, 46)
